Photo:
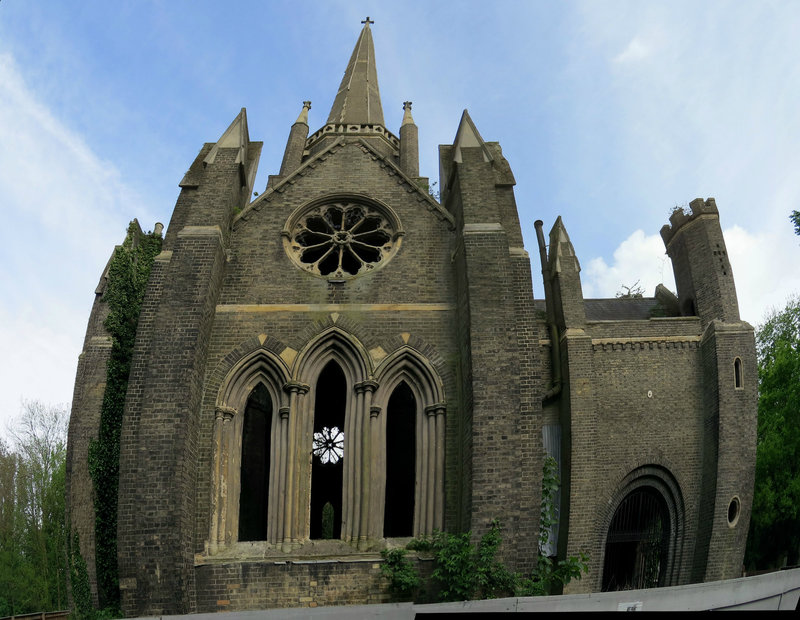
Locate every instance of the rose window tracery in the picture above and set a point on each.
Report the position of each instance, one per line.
(329, 445)
(342, 239)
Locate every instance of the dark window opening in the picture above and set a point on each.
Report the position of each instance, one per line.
(328, 453)
(637, 543)
(401, 415)
(737, 373)
(254, 484)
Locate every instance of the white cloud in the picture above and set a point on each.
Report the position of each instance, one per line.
(635, 51)
(764, 267)
(640, 258)
(63, 209)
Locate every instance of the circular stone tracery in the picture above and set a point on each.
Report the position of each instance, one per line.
(342, 239)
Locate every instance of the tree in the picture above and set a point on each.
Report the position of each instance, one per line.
(634, 291)
(795, 217)
(32, 511)
(775, 524)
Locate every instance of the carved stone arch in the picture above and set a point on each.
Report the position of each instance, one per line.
(337, 344)
(257, 367)
(408, 361)
(659, 481)
(407, 365)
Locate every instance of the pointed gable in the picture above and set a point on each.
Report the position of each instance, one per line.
(469, 136)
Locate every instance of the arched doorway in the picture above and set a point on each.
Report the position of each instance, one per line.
(637, 545)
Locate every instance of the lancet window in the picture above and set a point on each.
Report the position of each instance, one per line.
(331, 448)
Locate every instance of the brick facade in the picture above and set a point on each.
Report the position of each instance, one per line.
(236, 299)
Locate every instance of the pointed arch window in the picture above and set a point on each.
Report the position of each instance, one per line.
(255, 465)
(401, 466)
(327, 464)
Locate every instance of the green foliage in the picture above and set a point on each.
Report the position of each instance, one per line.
(128, 273)
(795, 217)
(79, 581)
(774, 536)
(327, 521)
(465, 572)
(33, 568)
(403, 577)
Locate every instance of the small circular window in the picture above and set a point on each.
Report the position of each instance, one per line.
(339, 239)
(733, 511)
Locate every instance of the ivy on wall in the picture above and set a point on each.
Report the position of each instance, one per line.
(128, 273)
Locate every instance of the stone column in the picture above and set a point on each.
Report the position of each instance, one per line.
(365, 390)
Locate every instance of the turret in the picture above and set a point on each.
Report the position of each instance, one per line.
(296, 144)
(409, 143)
(700, 262)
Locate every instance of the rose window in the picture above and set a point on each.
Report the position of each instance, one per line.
(329, 445)
(342, 239)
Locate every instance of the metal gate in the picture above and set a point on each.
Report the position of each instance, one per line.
(637, 543)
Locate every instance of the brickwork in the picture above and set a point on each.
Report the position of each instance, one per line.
(84, 422)
(449, 308)
(262, 585)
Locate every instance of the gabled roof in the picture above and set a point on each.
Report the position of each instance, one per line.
(385, 161)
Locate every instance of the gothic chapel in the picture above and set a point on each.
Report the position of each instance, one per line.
(346, 362)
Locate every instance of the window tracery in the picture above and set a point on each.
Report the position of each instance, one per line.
(342, 237)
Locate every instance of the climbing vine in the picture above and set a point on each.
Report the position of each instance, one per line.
(128, 273)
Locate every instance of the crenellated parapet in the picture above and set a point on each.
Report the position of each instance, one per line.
(679, 217)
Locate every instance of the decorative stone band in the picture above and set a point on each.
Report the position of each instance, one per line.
(631, 344)
(332, 129)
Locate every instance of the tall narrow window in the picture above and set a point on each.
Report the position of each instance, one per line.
(737, 373)
(401, 417)
(255, 465)
(328, 453)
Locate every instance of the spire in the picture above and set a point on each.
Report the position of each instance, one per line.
(358, 101)
(295, 145)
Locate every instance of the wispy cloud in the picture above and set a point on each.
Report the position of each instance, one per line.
(68, 208)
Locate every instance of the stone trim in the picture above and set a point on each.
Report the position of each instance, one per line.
(398, 307)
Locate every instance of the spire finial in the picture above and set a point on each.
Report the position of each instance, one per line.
(303, 118)
(407, 118)
(367, 21)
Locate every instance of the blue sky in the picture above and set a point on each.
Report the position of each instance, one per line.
(610, 114)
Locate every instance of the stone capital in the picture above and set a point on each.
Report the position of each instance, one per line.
(296, 387)
(224, 413)
(366, 386)
(435, 409)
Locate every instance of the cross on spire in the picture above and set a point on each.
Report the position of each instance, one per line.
(367, 21)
